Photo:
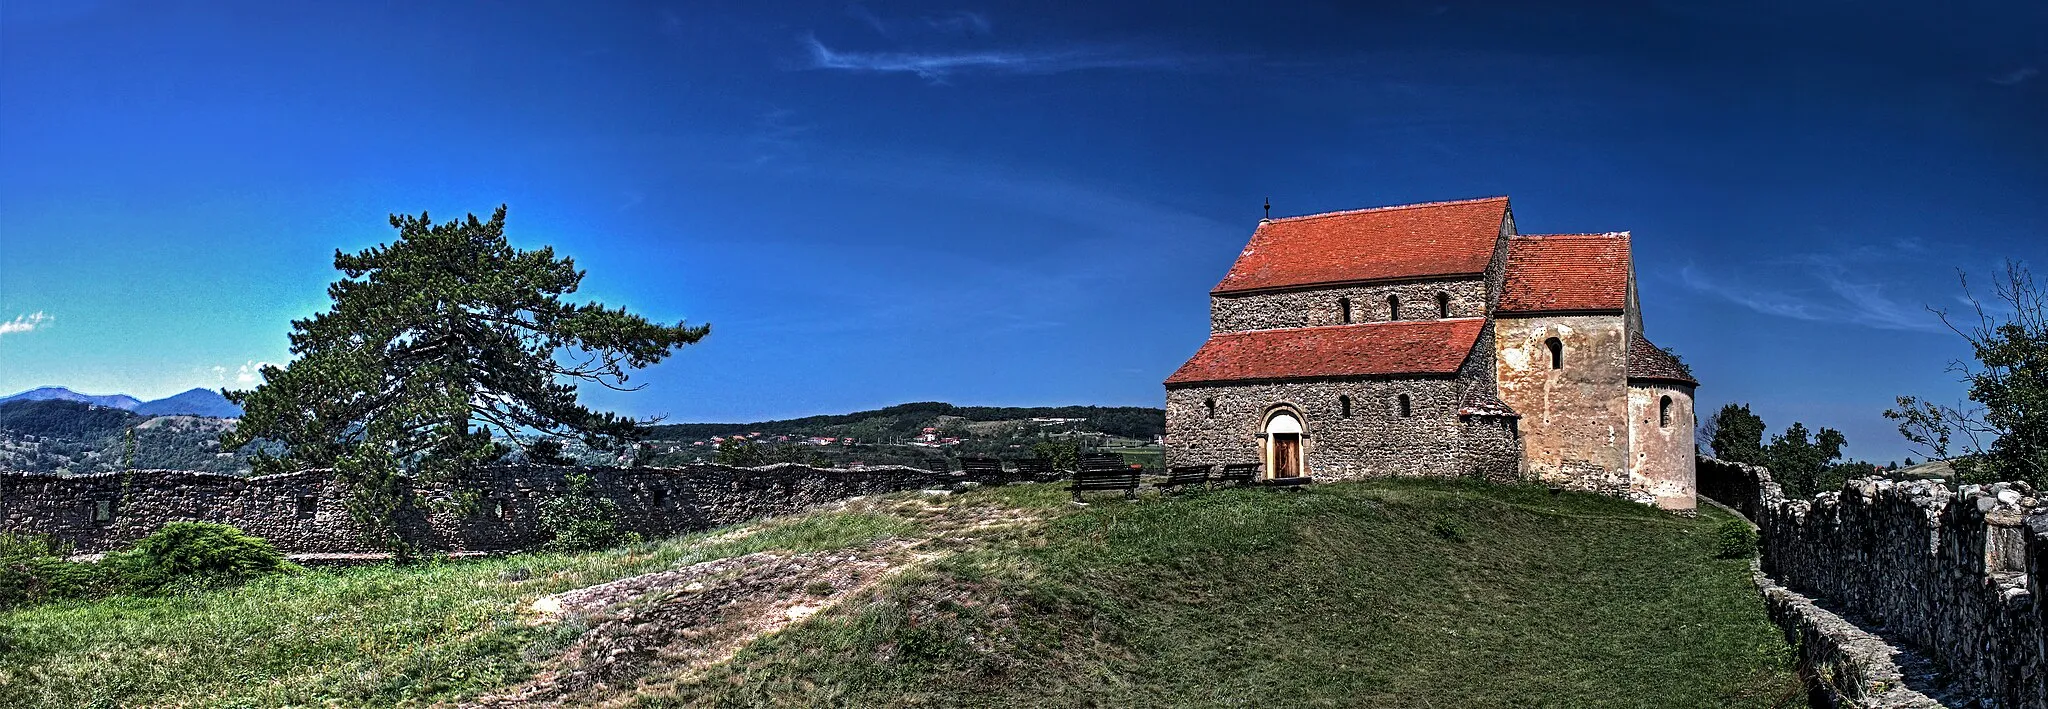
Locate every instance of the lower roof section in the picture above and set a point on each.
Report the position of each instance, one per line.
(1407, 347)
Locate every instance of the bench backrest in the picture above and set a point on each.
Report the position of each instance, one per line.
(1239, 471)
(1116, 478)
(1034, 468)
(982, 468)
(1103, 461)
(1187, 473)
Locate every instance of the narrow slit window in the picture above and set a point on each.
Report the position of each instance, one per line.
(1406, 405)
(1393, 307)
(1443, 305)
(1344, 309)
(1211, 405)
(1344, 406)
(1556, 348)
(1664, 412)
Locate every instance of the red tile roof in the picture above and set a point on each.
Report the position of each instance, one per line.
(1409, 241)
(1382, 348)
(1567, 272)
(1648, 362)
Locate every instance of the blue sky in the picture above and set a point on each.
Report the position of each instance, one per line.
(1002, 204)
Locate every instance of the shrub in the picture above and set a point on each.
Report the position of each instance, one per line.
(33, 569)
(1735, 540)
(1449, 527)
(579, 520)
(199, 554)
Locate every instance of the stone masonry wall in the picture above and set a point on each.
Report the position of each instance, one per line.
(1374, 441)
(1574, 419)
(1320, 306)
(1956, 575)
(303, 512)
(1660, 453)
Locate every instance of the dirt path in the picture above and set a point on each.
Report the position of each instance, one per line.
(651, 628)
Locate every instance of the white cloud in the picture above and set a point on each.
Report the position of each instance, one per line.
(25, 323)
(247, 374)
(937, 66)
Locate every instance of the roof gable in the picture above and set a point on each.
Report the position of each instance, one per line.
(1408, 241)
(1371, 349)
(1567, 272)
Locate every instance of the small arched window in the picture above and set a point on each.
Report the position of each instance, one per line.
(1406, 405)
(1443, 305)
(1344, 406)
(1393, 307)
(1210, 403)
(1344, 308)
(1664, 412)
(1556, 347)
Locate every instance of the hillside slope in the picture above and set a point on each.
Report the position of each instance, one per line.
(1398, 594)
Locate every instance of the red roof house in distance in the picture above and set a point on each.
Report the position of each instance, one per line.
(1435, 340)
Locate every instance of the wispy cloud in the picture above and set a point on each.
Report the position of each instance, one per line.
(25, 323)
(958, 22)
(2016, 76)
(938, 65)
(1838, 297)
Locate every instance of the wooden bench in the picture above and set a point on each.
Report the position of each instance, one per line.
(1035, 470)
(1296, 483)
(1238, 473)
(1124, 478)
(1180, 476)
(987, 471)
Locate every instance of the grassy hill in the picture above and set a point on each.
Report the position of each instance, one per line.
(1397, 593)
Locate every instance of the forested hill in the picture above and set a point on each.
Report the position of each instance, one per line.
(905, 420)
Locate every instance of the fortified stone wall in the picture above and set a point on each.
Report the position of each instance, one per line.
(1374, 441)
(1574, 419)
(303, 512)
(1312, 307)
(1661, 443)
(1955, 575)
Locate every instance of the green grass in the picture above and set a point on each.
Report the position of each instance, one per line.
(374, 636)
(1396, 594)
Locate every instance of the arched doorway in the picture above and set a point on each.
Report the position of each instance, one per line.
(1283, 445)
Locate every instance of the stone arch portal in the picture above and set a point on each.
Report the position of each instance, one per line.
(1283, 445)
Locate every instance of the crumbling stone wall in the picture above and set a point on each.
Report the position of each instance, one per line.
(304, 512)
(1311, 307)
(1955, 574)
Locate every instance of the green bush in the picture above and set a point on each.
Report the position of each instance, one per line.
(33, 569)
(579, 520)
(195, 554)
(1735, 539)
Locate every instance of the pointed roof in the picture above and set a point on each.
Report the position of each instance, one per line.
(1404, 347)
(1567, 273)
(1648, 362)
(1382, 243)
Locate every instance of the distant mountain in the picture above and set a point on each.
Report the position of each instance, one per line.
(197, 402)
(123, 402)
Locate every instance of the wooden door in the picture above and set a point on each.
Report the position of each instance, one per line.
(1286, 455)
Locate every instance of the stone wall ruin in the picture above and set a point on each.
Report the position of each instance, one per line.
(1955, 576)
(304, 512)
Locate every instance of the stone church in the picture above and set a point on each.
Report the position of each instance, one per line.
(1435, 340)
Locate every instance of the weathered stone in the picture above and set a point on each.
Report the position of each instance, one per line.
(1954, 576)
(304, 512)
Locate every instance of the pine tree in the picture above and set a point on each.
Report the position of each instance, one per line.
(433, 344)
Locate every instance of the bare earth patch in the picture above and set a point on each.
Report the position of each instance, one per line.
(652, 629)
